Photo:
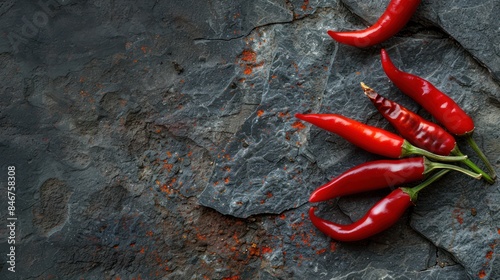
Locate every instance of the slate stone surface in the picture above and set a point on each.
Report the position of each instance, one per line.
(157, 139)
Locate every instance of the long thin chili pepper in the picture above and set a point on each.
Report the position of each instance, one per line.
(380, 217)
(370, 138)
(381, 174)
(395, 17)
(438, 104)
(420, 132)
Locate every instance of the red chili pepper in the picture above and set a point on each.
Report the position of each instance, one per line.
(380, 217)
(370, 138)
(420, 132)
(395, 17)
(438, 104)
(380, 174)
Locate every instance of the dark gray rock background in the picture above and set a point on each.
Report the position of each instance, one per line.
(156, 139)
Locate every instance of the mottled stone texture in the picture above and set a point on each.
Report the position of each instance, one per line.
(157, 139)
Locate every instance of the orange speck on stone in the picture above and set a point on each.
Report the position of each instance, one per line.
(282, 216)
(254, 250)
(260, 113)
(333, 246)
(201, 236)
(319, 252)
(269, 194)
(144, 49)
(226, 180)
(149, 233)
(283, 115)
(168, 166)
(135, 60)
(249, 56)
(482, 274)
(298, 125)
(236, 277)
(82, 79)
(304, 6)
(169, 154)
(142, 251)
(498, 230)
(248, 70)
(266, 250)
(158, 182)
(489, 255)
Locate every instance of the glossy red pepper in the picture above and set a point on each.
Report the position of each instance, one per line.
(420, 132)
(438, 104)
(380, 217)
(395, 17)
(380, 174)
(370, 138)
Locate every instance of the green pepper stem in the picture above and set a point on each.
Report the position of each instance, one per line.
(413, 192)
(431, 166)
(456, 151)
(481, 155)
(408, 149)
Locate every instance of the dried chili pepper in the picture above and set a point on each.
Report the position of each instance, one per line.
(380, 174)
(395, 17)
(380, 217)
(420, 132)
(370, 138)
(438, 104)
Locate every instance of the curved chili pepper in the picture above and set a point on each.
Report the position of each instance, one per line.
(380, 174)
(420, 132)
(395, 17)
(380, 217)
(438, 104)
(370, 138)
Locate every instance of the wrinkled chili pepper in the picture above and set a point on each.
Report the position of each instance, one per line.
(380, 217)
(370, 138)
(395, 17)
(420, 132)
(380, 174)
(438, 104)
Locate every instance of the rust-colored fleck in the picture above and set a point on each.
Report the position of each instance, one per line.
(482, 274)
(282, 216)
(254, 250)
(305, 5)
(144, 49)
(266, 250)
(226, 180)
(269, 194)
(149, 233)
(168, 166)
(235, 277)
(248, 70)
(489, 255)
(142, 251)
(201, 236)
(260, 113)
(319, 252)
(249, 56)
(333, 246)
(298, 125)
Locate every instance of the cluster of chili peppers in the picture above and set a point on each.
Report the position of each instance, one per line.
(422, 139)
